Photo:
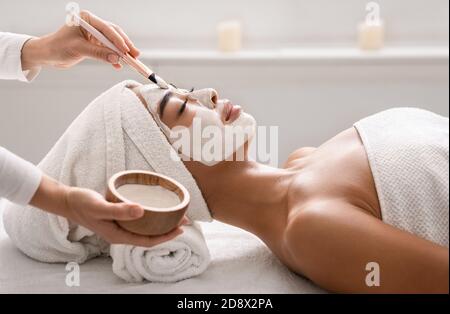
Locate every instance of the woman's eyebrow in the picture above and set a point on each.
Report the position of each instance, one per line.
(164, 102)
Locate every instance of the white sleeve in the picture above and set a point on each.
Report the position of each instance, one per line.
(19, 179)
(11, 58)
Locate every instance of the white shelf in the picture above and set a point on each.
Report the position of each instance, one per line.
(302, 56)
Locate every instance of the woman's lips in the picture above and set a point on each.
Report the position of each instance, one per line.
(232, 112)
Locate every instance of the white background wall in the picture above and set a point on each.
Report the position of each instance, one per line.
(191, 23)
(310, 101)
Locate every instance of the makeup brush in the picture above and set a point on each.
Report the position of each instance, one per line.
(127, 58)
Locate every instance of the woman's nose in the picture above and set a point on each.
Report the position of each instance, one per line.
(208, 97)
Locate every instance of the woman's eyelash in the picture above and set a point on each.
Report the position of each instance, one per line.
(183, 107)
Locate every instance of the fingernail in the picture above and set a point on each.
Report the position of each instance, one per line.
(136, 212)
(112, 58)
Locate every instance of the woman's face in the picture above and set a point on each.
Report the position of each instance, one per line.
(180, 108)
(207, 118)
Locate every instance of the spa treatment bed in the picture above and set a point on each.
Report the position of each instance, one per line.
(240, 264)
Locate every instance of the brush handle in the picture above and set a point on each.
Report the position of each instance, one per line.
(98, 35)
(144, 70)
(132, 62)
(137, 65)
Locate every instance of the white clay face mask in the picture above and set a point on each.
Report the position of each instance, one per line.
(209, 141)
(199, 142)
(153, 196)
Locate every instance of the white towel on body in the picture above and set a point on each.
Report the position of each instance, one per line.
(409, 158)
(114, 133)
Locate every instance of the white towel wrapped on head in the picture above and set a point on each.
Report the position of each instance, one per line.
(114, 133)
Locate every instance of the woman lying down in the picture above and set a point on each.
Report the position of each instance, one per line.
(374, 198)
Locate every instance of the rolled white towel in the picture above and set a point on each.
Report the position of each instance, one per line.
(181, 258)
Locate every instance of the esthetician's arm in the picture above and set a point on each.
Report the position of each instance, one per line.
(89, 209)
(23, 183)
(21, 58)
(71, 45)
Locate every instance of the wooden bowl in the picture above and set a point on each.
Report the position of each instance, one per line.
(154, 221)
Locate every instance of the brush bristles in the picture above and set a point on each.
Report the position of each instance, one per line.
(152, 78)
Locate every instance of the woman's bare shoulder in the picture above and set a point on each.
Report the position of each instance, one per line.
(298, 154)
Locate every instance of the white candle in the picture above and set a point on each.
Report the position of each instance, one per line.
(230, 36)
(371, 32)
(153, 196)
(371, 36)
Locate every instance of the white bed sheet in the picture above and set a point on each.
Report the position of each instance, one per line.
(240, 264)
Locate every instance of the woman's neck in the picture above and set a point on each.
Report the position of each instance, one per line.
(246, 194)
